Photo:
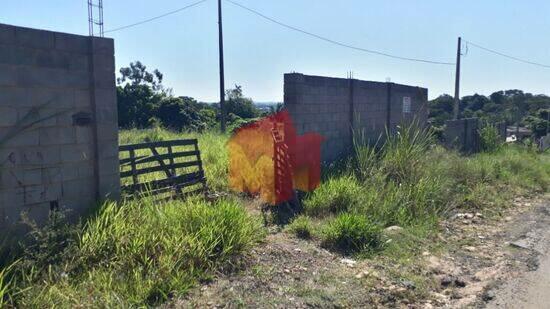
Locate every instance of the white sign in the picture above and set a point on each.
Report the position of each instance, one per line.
(406, 105)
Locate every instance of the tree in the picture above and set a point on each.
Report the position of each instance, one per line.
(239, 105)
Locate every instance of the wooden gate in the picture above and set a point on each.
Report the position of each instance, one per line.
(166, 169)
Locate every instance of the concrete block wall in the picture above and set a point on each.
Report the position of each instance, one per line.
(58, 123)
(462, 134)
(333, 106)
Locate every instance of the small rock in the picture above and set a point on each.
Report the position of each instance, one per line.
(459, 282)
(287, 270)
(465, 222)
(297, 249)
(470, 248)
(479, 215)
(393, 229)
(425, 253)
(409, 284)
(348, 262)
(489, 295)
(362, 274)
(446, 280)
(507, 219)
(468, 216)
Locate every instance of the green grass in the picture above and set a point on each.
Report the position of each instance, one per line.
(409, 182)
(211, 144)
(137, 253)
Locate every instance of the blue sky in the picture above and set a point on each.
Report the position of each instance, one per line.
(257, 53)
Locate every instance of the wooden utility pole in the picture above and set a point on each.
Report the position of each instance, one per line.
(457, 81)
(222, 78)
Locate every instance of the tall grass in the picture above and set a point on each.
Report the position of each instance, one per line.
(211, 144)
(140, 253)
(410, 182)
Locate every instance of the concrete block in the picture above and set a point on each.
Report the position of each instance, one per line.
(103, 46)
(84, 135)
(8, 116)
(39, 156)
(104, 62)
(79, 189)
(108, 149)
(8, 75)
(106, 98)
(8, 157)
(72, 43)
(10, 178)
(86, 169)
(107, 132)
(34, 38)
(51, 175)
(14, 97)
(109, 187)
(109, 166)
(79, 62)
(104, 79)
(32, 177)
(21, 138)
(51, 98)
(82, 98)
(51, 78)
(75, 153)
(69, 171)
(106, 115)
(32, 194)
(7, 34)
(57, 136)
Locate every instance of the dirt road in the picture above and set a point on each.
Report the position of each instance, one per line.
(530, 289)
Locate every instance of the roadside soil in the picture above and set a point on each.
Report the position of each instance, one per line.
(498, 260)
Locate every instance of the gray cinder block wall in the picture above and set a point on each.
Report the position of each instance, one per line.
(462, 134)
(58, 123)
(332, 106)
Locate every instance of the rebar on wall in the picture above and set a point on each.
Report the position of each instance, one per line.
(95, 17)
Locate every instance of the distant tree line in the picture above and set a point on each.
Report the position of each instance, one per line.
(144, 102)
(510, 106)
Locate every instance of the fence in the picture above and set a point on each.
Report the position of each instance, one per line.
(164, 169)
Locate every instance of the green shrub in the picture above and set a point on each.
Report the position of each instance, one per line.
(489, 139)
(404, 152)
(333, 196)
(349, 233)
(302, 227)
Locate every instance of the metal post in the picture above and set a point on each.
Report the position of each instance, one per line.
(457, 81)
(222, 82)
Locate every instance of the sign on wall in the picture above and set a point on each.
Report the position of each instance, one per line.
(407, 105)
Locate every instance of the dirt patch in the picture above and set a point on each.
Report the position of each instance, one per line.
(479, 255)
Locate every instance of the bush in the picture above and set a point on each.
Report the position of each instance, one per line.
(140, 253)
(349, 233)
(334, 196)
(404, 152)
(489, 139)
(302, 227)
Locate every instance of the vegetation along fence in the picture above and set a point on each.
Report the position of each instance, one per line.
(165, 169)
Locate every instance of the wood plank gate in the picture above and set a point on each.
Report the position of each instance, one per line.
(165, 169)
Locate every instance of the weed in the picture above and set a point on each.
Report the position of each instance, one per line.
(349, 233)
(489, 139)
(302, 227)
(334, 196)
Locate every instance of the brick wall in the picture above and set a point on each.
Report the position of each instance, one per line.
(58, 122)
(332, 106)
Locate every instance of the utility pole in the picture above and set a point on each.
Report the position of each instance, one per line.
(222, 81)
(457, 81)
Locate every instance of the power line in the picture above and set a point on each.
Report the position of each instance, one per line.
(157, 17)
(508, 56)
(336, 42)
